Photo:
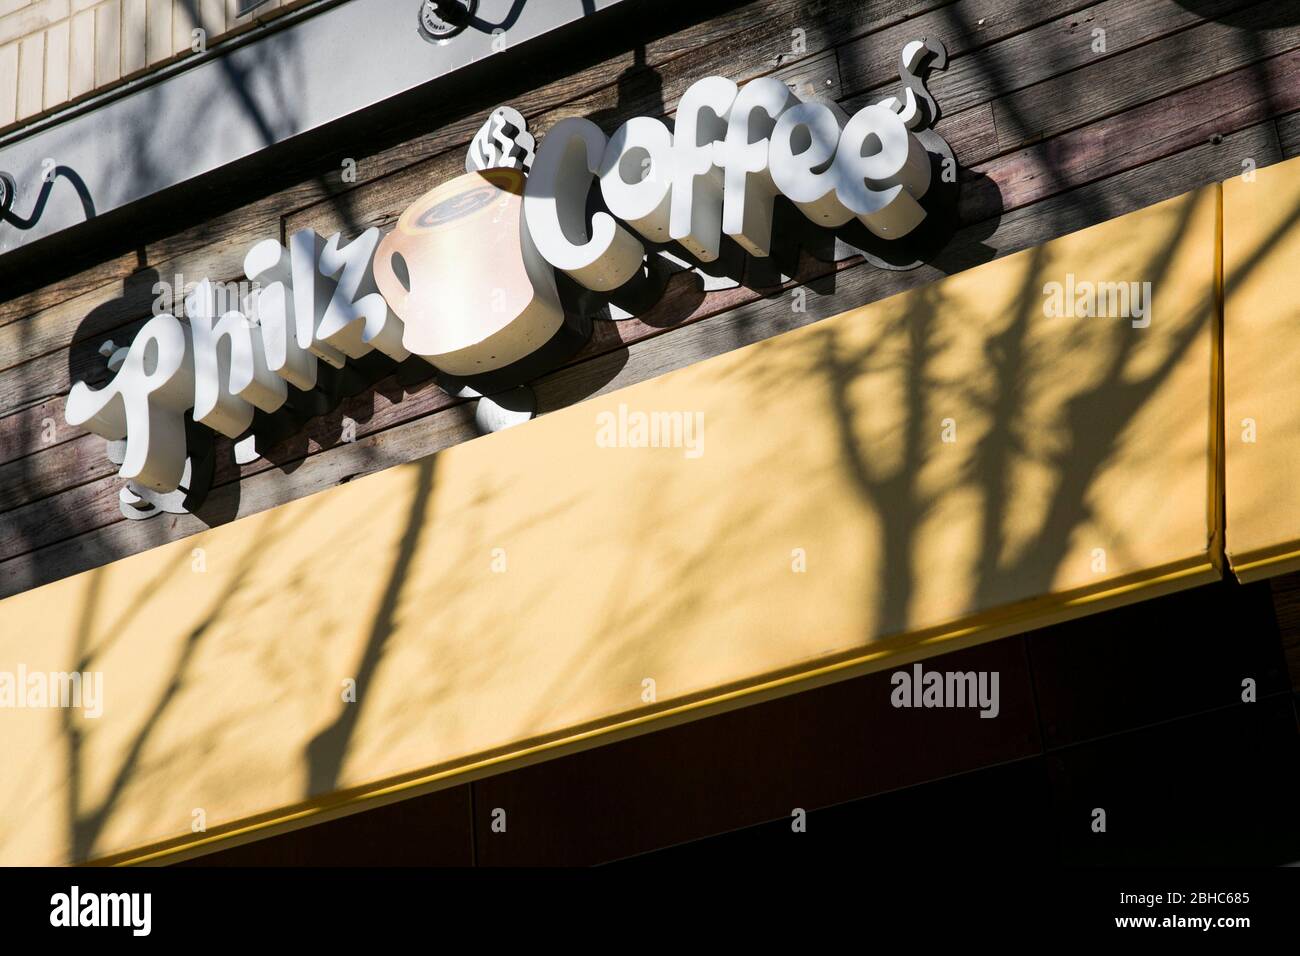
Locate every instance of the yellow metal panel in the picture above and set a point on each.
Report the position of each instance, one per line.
(946, 467)
(1261, 237)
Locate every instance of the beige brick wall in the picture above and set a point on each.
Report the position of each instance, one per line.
(53, 52)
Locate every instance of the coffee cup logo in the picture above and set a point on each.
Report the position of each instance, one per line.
(461, 272)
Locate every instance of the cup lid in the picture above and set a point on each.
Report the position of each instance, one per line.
(460, 201)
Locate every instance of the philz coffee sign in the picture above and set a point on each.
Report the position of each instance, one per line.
(493, 278)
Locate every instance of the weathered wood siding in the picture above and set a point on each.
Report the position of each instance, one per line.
(1061, 114)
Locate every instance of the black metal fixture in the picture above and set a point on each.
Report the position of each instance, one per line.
(443, 19)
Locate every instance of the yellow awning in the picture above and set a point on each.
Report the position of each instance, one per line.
(931, 471)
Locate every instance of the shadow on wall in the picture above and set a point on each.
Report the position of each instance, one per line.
(9, 214)
(121, 318)
(1279, 14)
(1009, 516)
(284, 438)
(884, 468)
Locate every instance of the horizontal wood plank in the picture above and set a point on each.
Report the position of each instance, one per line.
(1064, 44)
(1288, 132)
(853, 285)
(1030, 175)
(1106, 152)
(1142, 75)
(871, 62)
(1148, 132)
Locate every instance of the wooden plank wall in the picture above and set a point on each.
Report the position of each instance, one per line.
(1052, 133)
